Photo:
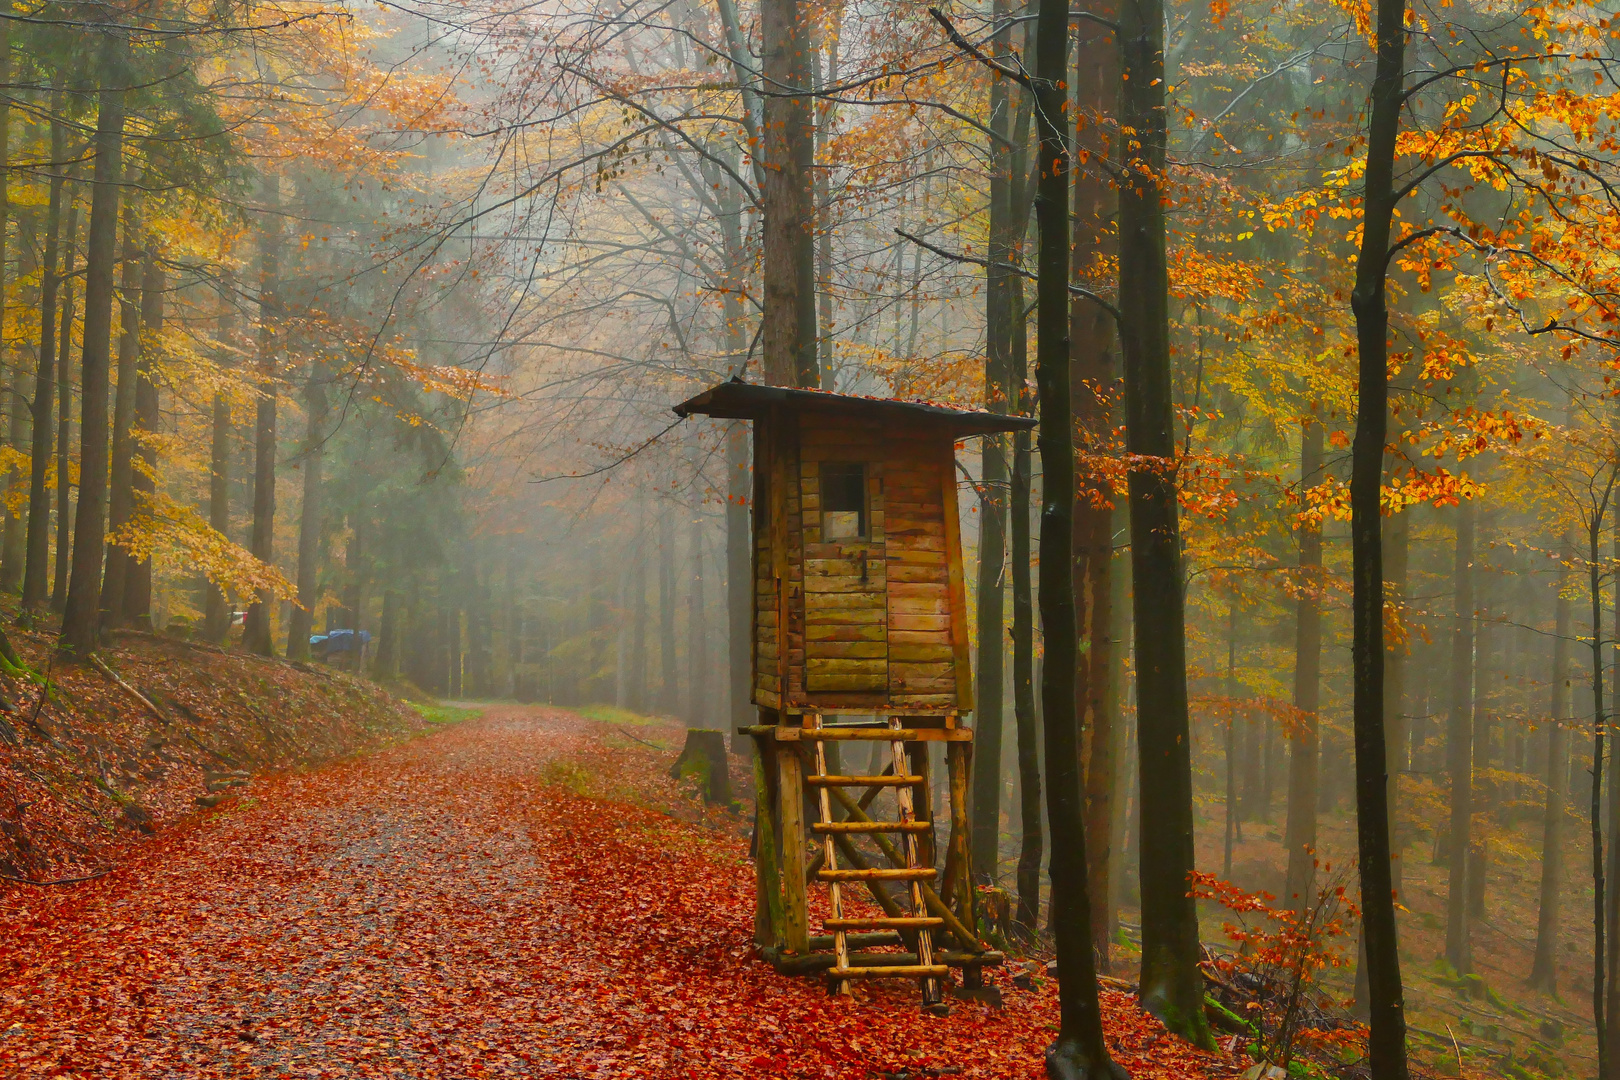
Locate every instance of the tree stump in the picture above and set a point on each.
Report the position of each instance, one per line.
(704, 756)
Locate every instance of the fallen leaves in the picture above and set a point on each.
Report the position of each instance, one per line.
(440, 909)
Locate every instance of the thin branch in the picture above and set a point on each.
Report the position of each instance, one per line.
(1011, 268)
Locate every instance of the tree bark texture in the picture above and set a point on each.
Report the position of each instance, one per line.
(1300, 831)
(82, 617)
(37, 543)
(262, 539)
(1172, 988)
(739, 584)
(1544, 968)
(990, 677)
(1369, 301)
(64, 420)
(137, 599)
(120, 494)
(788, 334)
(1460, 743)
(1079, 1049)
(217, 612)
(1094, 388)
(310, 524)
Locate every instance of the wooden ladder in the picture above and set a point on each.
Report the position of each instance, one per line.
(913, 874)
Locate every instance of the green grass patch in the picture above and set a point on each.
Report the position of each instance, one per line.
(612, 714)
(435, 713)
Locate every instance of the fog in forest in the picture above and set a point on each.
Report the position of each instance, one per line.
(327, 318)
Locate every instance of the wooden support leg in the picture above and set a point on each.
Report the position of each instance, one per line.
(767, 872)
(917, 756)
(795, 903)
(957, 885)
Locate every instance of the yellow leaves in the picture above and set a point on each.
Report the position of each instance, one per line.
(162, 527)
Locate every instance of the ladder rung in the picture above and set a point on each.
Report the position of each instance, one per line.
(919, 922)
(864, 781)
(871, 826)
(910, 971)
(878, 873)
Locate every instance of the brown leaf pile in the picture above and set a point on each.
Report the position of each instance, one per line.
(455, 907)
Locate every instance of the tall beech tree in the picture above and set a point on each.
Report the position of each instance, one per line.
(256, 636)
(1172, 988)
(1079, 1049)
(36, 574)
(1300, 831)
(1386, 1044)
(1544, 968)
(1460, 743)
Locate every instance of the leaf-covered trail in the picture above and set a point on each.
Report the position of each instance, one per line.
(456, 907)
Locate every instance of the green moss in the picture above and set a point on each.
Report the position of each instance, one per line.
(445, 714)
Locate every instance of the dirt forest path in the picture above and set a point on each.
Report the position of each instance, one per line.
(466, 904)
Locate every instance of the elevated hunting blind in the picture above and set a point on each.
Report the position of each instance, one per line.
(860, 641)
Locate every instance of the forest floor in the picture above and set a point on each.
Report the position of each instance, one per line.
(522, 893)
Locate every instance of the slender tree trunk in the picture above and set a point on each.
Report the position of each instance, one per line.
(11, 543)
(1233, 829)
(262, 543)
(1300, 832)
(138, 586)
(38, 542)
(1544, 969)
(1094, 387)
(1387, 1026)
(310, 522)
(1397, 543)
(64, 423)
(1079, 1049)
(1030, 849)
(990, 683)
(638, 613)
(1172, 988)
(120, 495)
(217, 614)
(82, 617)
(739, 583)
(1595, 820)
(697, 633)
(1612, 897)
(669, 696)
(1460, 744)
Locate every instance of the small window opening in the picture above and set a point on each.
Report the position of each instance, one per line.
(843, 501)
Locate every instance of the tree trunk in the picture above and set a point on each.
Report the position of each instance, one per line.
(1460, 744)
(1595, 819)
(217, 613)
(1300, 832)
(82, 616)
(990, 684)
(138, 585)
(309, 518)
(1387, 1024)
(36, 574)
(120, 495)
(669, 685)
(739, 584)
(262, 542)
(1544, 969)
(1091, 352)
(1397, 536)
(788, 336)
(1079, 1049)
(64, 422)
(1232, 829)
(697, 631)
(638, 613)
(1172, 988)
(11, 543)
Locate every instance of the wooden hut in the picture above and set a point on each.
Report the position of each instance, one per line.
(860, 636)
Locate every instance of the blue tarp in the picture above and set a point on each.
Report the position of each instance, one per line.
(338, 641)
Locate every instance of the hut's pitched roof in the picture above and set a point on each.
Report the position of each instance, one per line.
(738, 400)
